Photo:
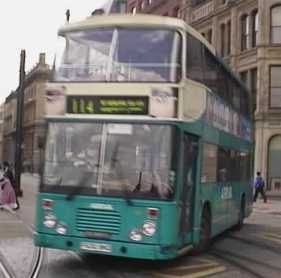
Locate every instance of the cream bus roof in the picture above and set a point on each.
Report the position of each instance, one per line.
(136, 20)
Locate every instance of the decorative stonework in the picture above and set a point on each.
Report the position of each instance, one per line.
(202, 11)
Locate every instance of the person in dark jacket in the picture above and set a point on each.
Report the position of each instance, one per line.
(8, 173)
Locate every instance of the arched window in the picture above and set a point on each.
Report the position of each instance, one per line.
(274, 160)
(255, 27)
(244, 32)
(276, 24)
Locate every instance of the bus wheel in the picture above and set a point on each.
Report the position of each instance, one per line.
(205, 232)
(241, 218)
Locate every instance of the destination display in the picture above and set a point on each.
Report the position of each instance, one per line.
(132, 105)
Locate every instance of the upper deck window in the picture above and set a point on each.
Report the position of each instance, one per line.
(120, 55)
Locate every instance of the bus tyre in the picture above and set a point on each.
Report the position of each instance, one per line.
(241, 217)
(205, 232)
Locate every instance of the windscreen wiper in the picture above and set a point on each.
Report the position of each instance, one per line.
(78, 189)
(138, 186)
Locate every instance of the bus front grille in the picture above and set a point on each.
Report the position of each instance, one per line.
(98, 220)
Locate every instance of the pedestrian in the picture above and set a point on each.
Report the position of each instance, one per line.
(8, 173)
(7, 194)
(259, 186)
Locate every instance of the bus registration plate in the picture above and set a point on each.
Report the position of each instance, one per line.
(100, 247)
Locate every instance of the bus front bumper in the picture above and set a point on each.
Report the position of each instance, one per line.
(106, 247)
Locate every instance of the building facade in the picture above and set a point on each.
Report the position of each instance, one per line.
(161, 7)
(33, 117)
(9, 128)
(34, 112)
(1, 130)
(247, 34)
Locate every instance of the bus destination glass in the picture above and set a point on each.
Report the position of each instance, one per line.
(128, 105)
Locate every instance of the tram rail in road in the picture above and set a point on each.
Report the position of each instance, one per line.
(38, 254)
(35, 267)
(4, 270)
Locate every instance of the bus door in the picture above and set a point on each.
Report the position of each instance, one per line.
(189, 160)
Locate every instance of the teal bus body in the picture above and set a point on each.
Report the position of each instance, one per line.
(196, 159)
(118, 221)
(120, 217)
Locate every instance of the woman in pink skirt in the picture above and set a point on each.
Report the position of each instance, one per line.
(7, 194)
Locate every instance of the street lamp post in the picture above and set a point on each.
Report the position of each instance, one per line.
(19, 121)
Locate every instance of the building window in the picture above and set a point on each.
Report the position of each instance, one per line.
(244, 32)
(228, 42)
(223, 40)
(255, 28)
(176, 11)
(142, 5)
(244, 77)
(276, 24)
(209, 35)
(254, 84)
(196, 2)
(134, 10)
(275, 86)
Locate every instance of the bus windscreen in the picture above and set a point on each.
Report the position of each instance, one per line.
(116, 158)
(120, 54)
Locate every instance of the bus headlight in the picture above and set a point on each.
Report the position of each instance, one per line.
(149, 228)
(49, 221)
(135, 235)
(61, 229)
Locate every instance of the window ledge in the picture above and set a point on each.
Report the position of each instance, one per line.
(248, 52)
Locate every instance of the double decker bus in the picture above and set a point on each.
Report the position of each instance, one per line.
(148, 147)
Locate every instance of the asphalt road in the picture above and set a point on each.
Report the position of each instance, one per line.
(253, 251)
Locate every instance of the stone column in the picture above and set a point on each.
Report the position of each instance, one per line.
(215, 33)
(234, 37)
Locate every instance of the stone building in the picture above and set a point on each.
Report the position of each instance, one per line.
(247, 33)
(160, 7)
(1, 130)
(34, 112)
(33, 117)
(9, 127)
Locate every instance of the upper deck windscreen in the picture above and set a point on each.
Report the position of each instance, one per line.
(119, 55)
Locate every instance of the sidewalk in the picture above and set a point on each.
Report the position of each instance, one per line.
(274, 194)
(16, 244)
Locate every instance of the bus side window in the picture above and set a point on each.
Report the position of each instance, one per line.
(190, 154)
(223, 165)
(236, 97)
(210, 71)
(194, 59)
(209, 163)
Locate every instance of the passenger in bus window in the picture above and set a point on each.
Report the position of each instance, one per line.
(222, 174)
